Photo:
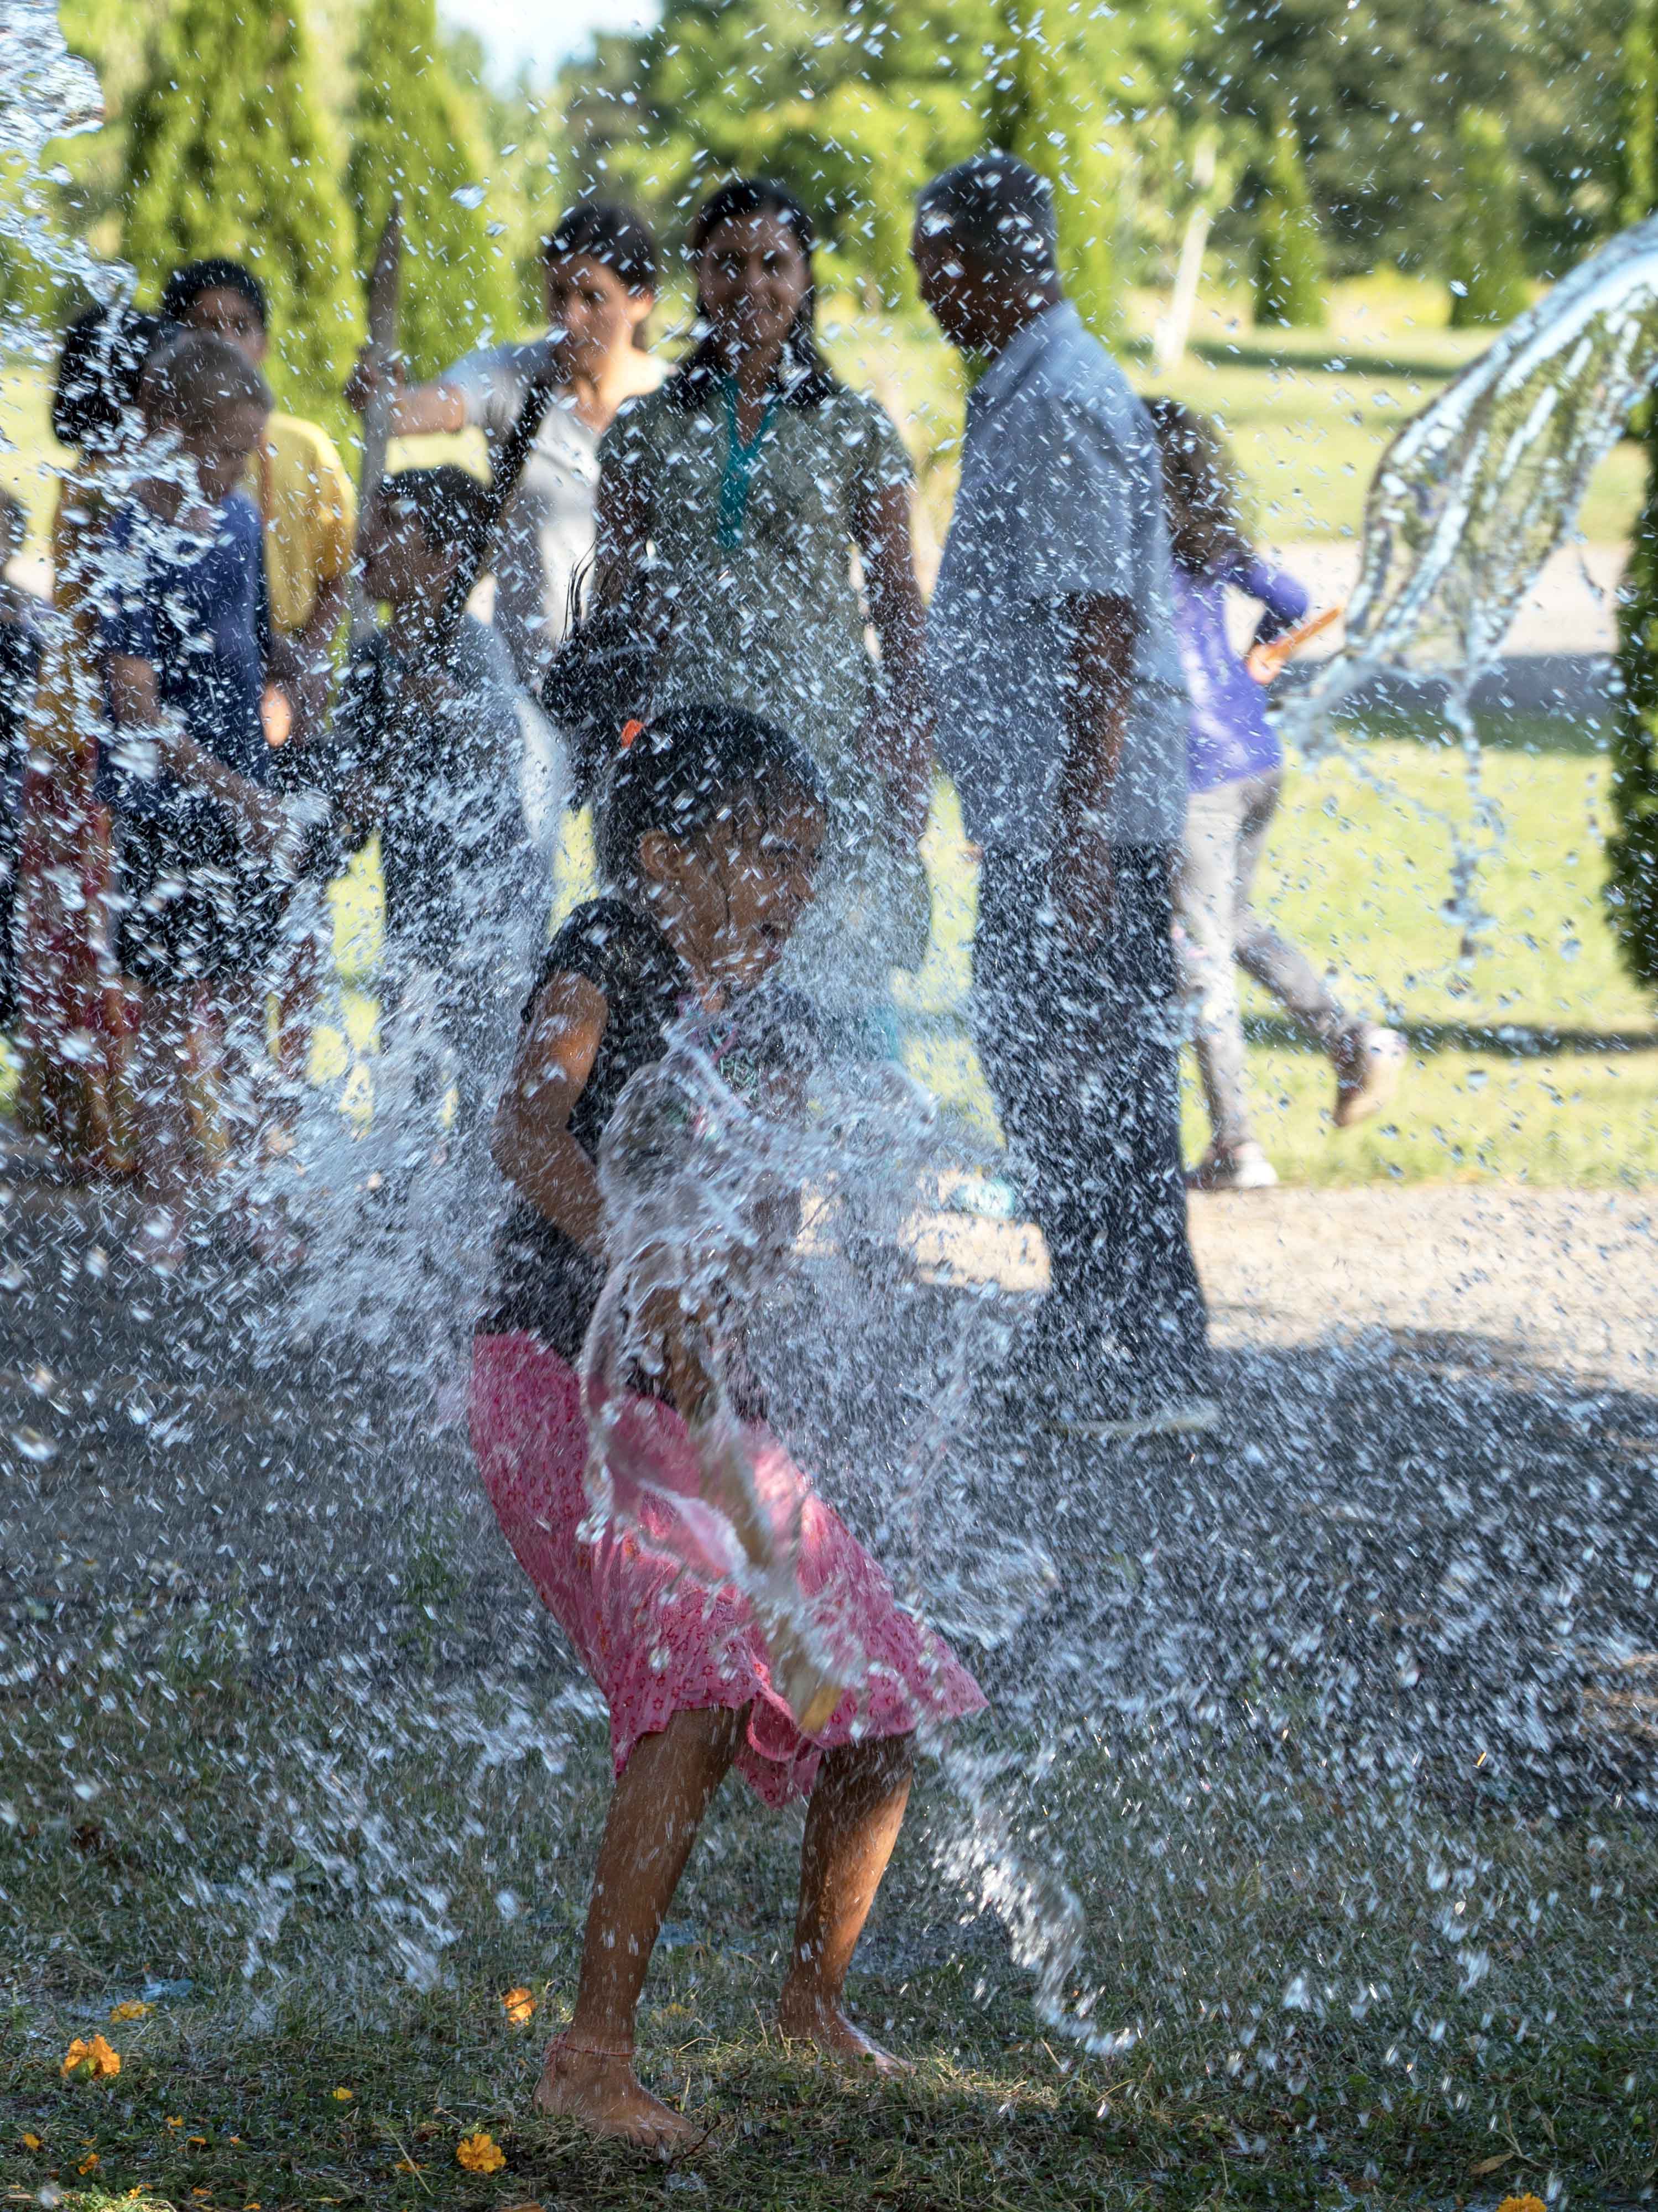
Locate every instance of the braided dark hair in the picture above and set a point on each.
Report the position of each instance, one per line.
(805, 379)
(686, 768)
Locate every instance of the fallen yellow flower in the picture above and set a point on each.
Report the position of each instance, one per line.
(343, 2096)
(88, 2163)
(1525, 2203)
(133, 2009)
(32, 2142)
(91, 2061)
(176, 2119)
(519, 2007)
(480, 2154)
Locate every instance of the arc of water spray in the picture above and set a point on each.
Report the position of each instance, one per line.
(1473, 495)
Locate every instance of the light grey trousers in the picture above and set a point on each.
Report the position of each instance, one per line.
(1217, 927)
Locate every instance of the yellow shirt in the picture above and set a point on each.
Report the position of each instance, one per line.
(298, 482)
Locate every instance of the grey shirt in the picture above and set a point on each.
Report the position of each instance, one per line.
(1060, 497)
(548, 528)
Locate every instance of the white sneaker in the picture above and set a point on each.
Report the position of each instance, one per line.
(1241, 1167)
(1369, 1063)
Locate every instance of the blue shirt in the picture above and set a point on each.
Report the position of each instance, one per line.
(1231, 733)
(197, 609)
(1061, 497)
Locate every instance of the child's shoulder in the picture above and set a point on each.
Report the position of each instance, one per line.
(616, 947)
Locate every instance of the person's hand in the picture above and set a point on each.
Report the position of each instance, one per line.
(1265, 663)
(368, 375)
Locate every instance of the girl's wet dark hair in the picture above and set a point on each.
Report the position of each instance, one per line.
(804, 378)
(605, 231)
(687, 768)
(1200, 490)
(102, 358)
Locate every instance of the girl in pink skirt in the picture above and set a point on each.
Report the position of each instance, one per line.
(709, 830)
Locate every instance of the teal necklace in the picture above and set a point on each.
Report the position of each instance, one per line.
(742, 460)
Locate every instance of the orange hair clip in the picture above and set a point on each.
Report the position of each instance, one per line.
(629, 731)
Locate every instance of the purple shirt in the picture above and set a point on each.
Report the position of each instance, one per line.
(1230, 733)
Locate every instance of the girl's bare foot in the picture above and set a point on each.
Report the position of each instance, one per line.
(809, 2016)
(605, 2095)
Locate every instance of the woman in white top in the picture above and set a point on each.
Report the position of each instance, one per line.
(600, 264)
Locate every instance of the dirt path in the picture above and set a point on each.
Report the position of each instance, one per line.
(1557, 1278)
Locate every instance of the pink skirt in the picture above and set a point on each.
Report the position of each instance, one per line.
(657, 1639)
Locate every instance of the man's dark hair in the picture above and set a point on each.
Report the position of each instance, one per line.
(98, 371)
(607, 232)
(688, 768)
(216, 274)
(804, 378)
(450, 505)
(999, 211)
(189, 380)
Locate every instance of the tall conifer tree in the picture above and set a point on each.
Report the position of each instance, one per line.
(1487, 257)
(1051, 105)
(230, 152)
(412, 132)
(1632, 849)
(1290, 266)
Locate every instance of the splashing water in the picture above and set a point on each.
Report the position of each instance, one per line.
(1472, 497)
(1311, 1767)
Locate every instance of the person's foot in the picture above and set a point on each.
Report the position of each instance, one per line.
(1233, 1167)
(605, 2096)
(808, 2016)
(1369, 1063)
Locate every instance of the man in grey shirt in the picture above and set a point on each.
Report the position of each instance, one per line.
(1062, 716)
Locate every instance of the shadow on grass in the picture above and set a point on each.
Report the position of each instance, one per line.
(1498, 1041)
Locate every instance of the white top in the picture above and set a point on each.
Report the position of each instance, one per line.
(547, 530)
(1060, 497)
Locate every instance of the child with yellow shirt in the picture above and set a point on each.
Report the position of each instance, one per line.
(299, 484)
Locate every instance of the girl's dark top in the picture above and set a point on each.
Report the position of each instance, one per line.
(547, 1284)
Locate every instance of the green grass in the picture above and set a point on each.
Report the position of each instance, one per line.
(227, 2095)
(1534, 1060)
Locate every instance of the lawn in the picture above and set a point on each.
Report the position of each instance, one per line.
(1533, 1059)
(324, 2079)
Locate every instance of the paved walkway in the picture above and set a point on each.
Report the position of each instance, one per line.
(1571, 608)
(1557, 1278)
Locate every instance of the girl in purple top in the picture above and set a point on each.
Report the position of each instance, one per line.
(1234, 773)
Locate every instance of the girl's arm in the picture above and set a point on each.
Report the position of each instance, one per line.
(135, 703)
(531, 1141)
(532, 1146)
(417, 410)
(899, 739)
(1284, 601)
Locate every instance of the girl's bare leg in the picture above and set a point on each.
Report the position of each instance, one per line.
(852, 1824)
(656, 1810)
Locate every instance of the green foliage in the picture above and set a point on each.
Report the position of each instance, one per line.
(1376, 87)
(1487, 256)
(1052, 103)
(853, 112)
(1632, 849)
(1639, 137)
(414, 132)
(1289, 270)
(230, 152)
